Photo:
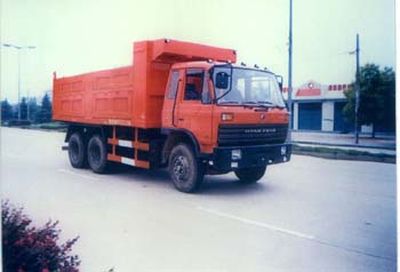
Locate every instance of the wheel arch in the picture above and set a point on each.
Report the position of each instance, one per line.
(85, 130)
(176, 136)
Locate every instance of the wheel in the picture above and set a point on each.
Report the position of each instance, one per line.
(185, 171)
(250, 175)
(97, 154)
(77, 151)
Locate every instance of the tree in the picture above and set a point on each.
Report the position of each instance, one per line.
(33, 109)
(389, 91)
(24, 109)
(44, 114)
(377, 93)
(6, 110)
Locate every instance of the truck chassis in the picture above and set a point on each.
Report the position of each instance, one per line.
(97, 146)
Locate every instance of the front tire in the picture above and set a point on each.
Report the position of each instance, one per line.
(186, 172)
(250, 175)
(97, 154)
(77, 151)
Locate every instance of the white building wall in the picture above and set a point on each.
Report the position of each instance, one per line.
(328, 111)
(295, 116)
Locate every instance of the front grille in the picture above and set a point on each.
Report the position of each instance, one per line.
(232, 135)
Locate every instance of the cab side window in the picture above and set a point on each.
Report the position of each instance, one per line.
(194, 84)
(173, 85)
(205, 95)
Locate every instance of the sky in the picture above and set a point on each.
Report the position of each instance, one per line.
(76, 36)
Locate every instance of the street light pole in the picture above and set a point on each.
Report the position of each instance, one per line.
(290, 70)
(19, 83)
(19, 48)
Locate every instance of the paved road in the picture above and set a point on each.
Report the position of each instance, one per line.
(307, 215)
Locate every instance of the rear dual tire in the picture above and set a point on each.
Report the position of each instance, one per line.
(94, 153)
(77, 152)
(97, 154)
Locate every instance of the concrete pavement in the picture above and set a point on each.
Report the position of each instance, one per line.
(310, 214)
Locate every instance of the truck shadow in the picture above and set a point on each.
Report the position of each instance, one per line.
(228, 185)
(212, 185)
(133, 173)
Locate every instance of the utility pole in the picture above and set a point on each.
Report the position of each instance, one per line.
(290, 70)
(357, 88)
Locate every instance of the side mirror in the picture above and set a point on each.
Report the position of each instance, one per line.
(222, 80)
(280, 81)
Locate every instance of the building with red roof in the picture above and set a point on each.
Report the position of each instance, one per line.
(319, 107)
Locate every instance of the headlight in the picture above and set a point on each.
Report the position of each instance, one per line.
(283, 150)
(226, 116)
(236, 154)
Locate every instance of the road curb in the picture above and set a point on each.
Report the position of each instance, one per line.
(342, 154)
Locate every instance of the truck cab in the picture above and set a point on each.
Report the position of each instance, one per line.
(235, 117)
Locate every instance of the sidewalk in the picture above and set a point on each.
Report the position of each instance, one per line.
(382, 142)
(342, 146)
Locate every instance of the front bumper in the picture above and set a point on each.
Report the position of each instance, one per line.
(251, 156)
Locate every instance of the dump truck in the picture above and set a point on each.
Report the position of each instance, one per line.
(184, 106)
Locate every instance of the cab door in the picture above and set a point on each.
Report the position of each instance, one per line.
(193, 109)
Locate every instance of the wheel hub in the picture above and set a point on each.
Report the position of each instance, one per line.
(181, 167)
(95, 153)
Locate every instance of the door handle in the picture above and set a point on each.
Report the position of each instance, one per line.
(181, 119)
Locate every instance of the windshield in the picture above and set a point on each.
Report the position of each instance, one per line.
(247, 87)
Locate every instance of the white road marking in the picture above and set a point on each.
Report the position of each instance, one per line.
(292, 233)
(257, 223)
(77, 174)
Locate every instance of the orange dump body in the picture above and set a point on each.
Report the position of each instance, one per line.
(132, 95)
